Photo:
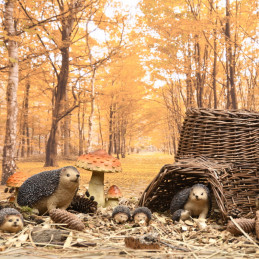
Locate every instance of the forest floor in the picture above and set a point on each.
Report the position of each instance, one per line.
(105, 239)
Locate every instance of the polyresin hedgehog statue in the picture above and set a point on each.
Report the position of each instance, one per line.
(11, 220)
(195, 199)
(142, 214)
(121, 214)
(181, 215)
(49, 189)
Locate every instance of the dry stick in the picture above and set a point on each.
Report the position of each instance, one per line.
(244, 233)
(30, 237)
(189, 247)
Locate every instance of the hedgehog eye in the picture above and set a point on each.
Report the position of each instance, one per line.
(193, 194)
(17, 219)
(68, 175)
(10, 220)
(202, 193)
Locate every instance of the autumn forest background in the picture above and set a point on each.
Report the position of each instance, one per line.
(119, 75)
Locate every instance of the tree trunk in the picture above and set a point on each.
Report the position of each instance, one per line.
(66, 132)
(214, 72)
(100, 126)
(231, 90)
(81, 128)
(111, 133)
(61, 89)
(25, 126)
(9, 150)
(189, 98)
(91, 116)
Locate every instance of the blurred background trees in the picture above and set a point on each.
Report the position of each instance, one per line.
(116, 75)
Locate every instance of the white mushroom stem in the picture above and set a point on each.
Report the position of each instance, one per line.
(96, 187)
(112, 202)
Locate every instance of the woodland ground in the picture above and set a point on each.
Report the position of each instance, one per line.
(138, 171)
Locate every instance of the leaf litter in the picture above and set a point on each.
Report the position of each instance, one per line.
(102, 237)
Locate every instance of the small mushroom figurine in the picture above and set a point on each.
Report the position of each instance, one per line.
(15, 181)
(112, 196)
(99, 162)
(142, 215)
(121, 214)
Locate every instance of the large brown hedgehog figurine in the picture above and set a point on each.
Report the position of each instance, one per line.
(49, 189)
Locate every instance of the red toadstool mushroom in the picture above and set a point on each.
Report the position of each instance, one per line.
(112, 196)
(99, 162)
(15, 181)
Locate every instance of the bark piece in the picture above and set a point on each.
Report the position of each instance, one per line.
(49, 236)
(248, 225)
(71, 220)
(144, 242)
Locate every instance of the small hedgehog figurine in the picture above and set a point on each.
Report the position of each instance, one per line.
(195, 199)
(11, 220)
(121, 214)
(142, 214)
(49, 189)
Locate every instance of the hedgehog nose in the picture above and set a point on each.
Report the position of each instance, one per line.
(197, 197)
(78, 175)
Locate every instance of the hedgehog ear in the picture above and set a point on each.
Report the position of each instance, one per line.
(63, 170)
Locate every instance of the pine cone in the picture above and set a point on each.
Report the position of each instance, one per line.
(257, 224)
(63, 216)
(248, 225)
(83, 205)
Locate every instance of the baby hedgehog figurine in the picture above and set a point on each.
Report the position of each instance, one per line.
(142, 214)
(11, 220)
(121, 214)
(49, 189)
(195, 199)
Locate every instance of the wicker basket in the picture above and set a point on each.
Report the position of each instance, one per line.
(218, 148)
(233, 188)
(231, 136)
(185, 173)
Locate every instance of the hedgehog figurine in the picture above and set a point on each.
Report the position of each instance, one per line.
(195, 199)
(121, 214)
(11, 220)
(142, 214)
(49, 190)
(181, 215)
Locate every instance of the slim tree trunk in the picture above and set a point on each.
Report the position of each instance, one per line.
(91, 116)
(231, 90)
(100, 126)
(25, 126)
(9, 150)
(67, 123)
(111, 133)
(81, 128)
(189, 99)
